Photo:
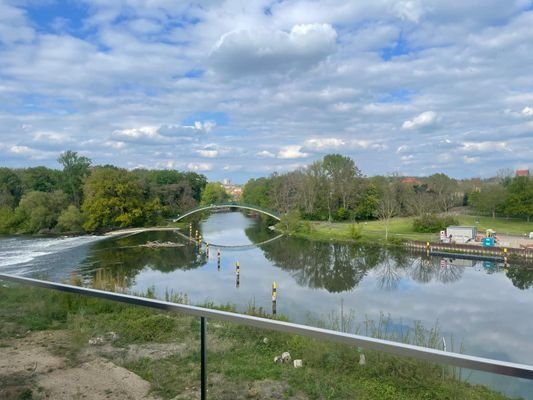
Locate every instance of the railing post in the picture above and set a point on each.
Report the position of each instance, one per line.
(203, 366)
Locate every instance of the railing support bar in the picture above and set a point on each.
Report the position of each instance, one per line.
(203, 361)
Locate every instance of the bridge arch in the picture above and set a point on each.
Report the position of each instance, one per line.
(228, 205)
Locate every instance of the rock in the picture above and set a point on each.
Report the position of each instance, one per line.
(298, 363)
(278, 360)
(362, 359)
(286, 357)
(265, 340)
(111, 336)
(97, 341)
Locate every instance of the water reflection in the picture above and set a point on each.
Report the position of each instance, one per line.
(339, 267)
(126, 257)
(335, 267)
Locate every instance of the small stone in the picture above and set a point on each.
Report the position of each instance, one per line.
(99, 340)
(286, 356)
(112, 336)
(362, 359)
(278, 359)
(265, 340)
(298, 363)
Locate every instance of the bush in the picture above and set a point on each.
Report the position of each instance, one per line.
(356, 231)
(342, 214)
(430, 223)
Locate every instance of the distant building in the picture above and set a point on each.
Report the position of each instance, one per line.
(522, 172)
(409, 180)
(235, 191)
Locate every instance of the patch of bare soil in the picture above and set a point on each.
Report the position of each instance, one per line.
(31, 368)
(221, 389)
(34, 367)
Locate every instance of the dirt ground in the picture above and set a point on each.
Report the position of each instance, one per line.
(31, 369)
(514, 241)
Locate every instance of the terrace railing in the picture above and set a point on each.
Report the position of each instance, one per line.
(386, 346)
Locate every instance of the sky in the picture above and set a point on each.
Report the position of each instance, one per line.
(242, 89)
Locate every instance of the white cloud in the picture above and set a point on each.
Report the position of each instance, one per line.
(199, 167)
(471, 160)
(410, 10)
(484, 147)
(51, 137)
(425, 119)
(292, 151)
(259, 51)
(208, 153)
(328, 144)
(356, 75)
(402, 149)
(407, 159)
(20, 150)
(324, 143)
(137, 133)
(265, 154)
(527, 111)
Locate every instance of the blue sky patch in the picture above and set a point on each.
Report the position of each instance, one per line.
(57, 15)
(401, 95)
(220, 118)
(400, 48)
(194, 73)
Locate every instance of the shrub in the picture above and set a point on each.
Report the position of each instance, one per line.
(356, 231)
(430, 223)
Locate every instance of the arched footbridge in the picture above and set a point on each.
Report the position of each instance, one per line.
(243, 206)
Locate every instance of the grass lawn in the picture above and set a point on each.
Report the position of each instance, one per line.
(402, 228)
(500, 225)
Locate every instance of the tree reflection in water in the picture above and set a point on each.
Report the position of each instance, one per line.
(339, 267)
(333, 266)
(123, 258)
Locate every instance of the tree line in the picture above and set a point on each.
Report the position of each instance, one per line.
(85, 198)
(335, 189)
(82, 197)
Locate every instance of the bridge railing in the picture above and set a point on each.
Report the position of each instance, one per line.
(386, 346)
(229, 205)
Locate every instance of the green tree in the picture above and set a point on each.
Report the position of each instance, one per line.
(197, 183)
(369, 202)
(343, 175)
(39, 211)
(172, 188)
(256, 191)
(489, 199)
(388, 205)
(444, 189)
(116, 198)
(75, 169)
(214, 193)
(291, 221)
(40, 179)
(10, 188)
(70, 220)
(519, 200)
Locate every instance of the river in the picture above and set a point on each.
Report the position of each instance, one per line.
(484, 307)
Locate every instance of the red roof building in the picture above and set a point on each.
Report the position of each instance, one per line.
(410, 180)
(522, 172)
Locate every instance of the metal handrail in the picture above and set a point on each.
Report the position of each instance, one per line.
(226, 205)
(387, 346)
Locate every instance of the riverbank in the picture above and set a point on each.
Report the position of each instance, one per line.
(158, 353)
(514, 232)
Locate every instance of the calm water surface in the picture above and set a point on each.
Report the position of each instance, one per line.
(483, 306)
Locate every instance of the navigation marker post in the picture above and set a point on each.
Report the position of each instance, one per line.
(274, 297)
